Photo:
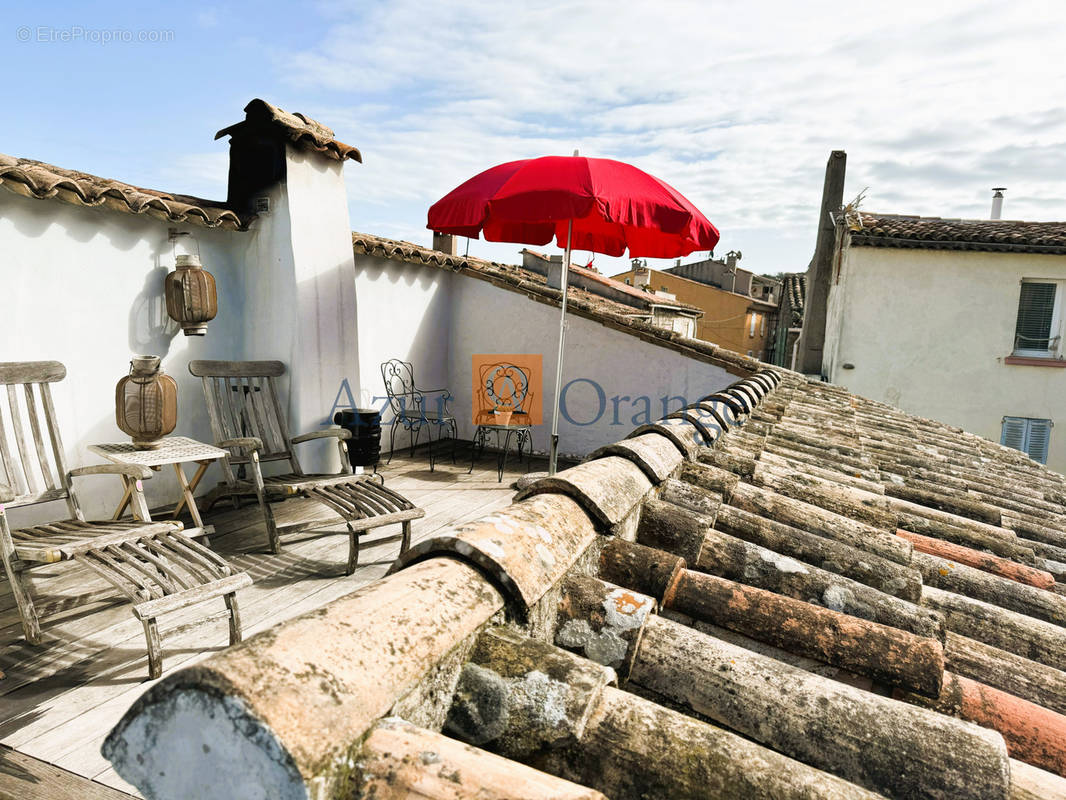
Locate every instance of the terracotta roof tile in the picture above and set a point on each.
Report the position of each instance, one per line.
(30, 178)
(935, 233)
(298, 128)
(793, 617)
(795, 289)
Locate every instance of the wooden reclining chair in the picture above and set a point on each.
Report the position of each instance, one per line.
(246, 419)
(156, 565)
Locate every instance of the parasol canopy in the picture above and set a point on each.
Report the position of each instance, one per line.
(613, 206)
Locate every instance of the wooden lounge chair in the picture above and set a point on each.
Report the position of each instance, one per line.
(156, 565)
(246, 418)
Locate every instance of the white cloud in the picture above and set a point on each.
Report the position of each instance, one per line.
(736, 105)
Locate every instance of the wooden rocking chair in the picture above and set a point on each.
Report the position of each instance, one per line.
(156, 565)
(247, 420)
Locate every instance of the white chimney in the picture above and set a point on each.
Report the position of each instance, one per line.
(997, 202)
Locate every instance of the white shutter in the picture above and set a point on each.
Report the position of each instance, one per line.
(1013, 434)
(1039, 437)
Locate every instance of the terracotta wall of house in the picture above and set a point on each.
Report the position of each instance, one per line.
(726, 319)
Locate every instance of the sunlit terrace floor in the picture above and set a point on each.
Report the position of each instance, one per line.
(60, 699)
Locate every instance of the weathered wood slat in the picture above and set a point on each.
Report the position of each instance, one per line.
(224, 369)
(28, 778)
(25, 454)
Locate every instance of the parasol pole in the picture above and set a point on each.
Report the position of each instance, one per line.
(553, 457)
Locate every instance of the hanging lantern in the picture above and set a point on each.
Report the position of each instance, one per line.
(191, 297)
(146, 403)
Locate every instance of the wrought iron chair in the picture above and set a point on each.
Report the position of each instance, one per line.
(505, 387)
(408, 405)
(157, 565)
(246, 419)
(503, 410)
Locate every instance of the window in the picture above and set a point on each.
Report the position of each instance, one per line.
(1036, 331)
(1031, 436)
(751, 329)
(628, 283)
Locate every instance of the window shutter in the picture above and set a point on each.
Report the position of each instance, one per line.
(1013, 434)
(1036, 306)
(1039, 438)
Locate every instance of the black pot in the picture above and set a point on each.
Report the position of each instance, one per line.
(364, 448)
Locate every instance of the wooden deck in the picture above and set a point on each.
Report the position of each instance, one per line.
(59, 700)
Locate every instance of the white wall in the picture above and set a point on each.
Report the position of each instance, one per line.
(301, 300)
(438, 320)
(928, 331)
(488, 319)
(84, 286)
(404, 311)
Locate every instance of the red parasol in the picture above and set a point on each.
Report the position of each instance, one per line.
(592, 204)
(613, 207)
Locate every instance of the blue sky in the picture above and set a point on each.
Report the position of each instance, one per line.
(736, 105)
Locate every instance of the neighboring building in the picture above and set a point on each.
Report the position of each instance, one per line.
(958, 320)
(783, 351)
(661, 309)
(732, 319)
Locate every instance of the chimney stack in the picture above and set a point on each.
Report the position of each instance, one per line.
(819, 273)
(446, 243)
(997, 202)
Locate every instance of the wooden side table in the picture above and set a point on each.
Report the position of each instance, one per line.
(174, 450)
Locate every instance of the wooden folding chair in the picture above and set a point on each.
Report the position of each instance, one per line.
(156, 565)
(246, 418)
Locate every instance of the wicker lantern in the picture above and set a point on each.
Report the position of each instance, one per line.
(146, 402)
(191, 297)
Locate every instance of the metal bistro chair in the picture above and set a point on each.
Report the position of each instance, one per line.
(504, 392)
(246, 419)
(157, 565)
(408, 405)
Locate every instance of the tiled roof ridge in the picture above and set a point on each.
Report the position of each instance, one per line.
(36, 179)
(583, 303)
(745, 505)
(898, 230)
(298, 128)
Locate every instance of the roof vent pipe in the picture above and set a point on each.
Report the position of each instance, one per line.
(997, 202)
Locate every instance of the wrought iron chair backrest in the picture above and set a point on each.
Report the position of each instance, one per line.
(31, 452)
(242, 400)
(404, 398)
(504, 386)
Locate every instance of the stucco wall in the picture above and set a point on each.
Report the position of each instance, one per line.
(404, 311)
(488, 319)
(84, 286)
(928, 331)
(438, 320)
